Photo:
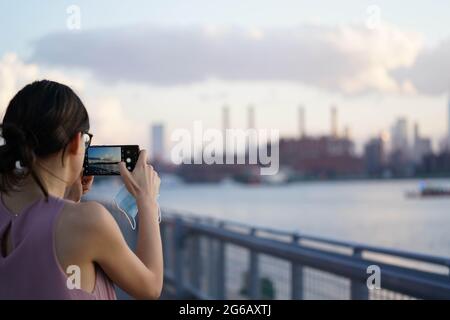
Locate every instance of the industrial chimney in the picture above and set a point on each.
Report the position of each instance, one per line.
(225, 126)
(334, 122)
(301, 121)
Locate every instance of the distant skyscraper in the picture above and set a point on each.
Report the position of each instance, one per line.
(422, 146)
(399, 137)
(157, 150)
(416, 132)
(374, 155)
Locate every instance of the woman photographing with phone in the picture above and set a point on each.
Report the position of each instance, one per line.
(44, 228)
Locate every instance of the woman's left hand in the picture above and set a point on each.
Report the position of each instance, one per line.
(79, 188)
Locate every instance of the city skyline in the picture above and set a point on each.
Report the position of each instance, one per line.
(404, 136)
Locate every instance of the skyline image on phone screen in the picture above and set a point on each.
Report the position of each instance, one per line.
(104, 160)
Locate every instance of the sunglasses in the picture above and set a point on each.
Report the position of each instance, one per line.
(87, 139)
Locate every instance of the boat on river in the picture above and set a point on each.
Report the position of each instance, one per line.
(428, 191)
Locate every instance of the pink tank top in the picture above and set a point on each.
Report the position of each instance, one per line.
(31, 271)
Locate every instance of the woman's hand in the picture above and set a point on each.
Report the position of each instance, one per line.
(143, 183)
(79, 188)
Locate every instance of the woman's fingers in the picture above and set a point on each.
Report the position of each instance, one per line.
(142, 160)
(144, 180)
(127, 177)
(87, 182)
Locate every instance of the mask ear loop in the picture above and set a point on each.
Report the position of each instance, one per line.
(133, 220)
(159, 209)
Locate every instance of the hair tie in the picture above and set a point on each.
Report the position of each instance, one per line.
(19, 169)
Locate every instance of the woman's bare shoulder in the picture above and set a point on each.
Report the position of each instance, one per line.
(85, 217)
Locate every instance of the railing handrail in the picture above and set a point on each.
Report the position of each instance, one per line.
(352, 266)
(408, 281)
(354, 246)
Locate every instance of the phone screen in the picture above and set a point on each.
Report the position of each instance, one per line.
(104, 160)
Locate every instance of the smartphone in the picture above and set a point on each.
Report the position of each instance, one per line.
(104, 160)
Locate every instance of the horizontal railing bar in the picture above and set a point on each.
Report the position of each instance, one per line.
(418, 283)
(345, 244)
(170, 279)
(404, 280)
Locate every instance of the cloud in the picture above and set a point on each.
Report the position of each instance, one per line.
(110, 123)
(15, 74)
(430, 73)
(108, 118)
(350, 59)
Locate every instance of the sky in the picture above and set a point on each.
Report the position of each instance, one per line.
(134, 63)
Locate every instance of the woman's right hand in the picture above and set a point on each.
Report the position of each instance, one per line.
(143, 183)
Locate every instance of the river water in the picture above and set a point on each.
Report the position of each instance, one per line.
(369, 212)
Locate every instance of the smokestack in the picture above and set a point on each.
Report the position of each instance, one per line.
(251, 117)
(225, 125)
(251, 125)
(416, 132)
(225, 118)
(301, 121)
(334, 122)
(347, 132)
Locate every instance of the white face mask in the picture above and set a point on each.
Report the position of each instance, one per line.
(126, 204)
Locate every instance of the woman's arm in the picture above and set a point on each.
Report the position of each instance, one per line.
(140, 274)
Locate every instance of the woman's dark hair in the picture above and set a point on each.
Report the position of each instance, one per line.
(40, 121)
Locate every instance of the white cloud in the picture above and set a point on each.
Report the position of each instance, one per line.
(111, 125)
(350, 59)
(377, 52)
(15, 74)
(430, 73)
(109, 121)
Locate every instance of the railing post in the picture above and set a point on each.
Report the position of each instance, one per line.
(358, 288)
(297, 275)
(165, 245)
(212, 279)
(254, 289)
(221, 268)
(179, 257)
(196, 262)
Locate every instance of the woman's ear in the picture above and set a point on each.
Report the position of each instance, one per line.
(75, 144)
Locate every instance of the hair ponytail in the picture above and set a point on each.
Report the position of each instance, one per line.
(16, 150)
(40, 120)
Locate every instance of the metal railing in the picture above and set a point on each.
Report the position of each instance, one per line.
(206, 258)
(212, 259)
